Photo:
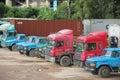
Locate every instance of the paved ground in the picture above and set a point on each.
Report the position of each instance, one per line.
(14, 66)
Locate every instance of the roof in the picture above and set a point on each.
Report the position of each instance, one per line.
(112, 49)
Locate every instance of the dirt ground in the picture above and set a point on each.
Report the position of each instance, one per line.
(14, 66)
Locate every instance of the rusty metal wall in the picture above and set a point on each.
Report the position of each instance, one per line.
(45, 27)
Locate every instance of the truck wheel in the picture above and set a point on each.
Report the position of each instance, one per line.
(104, 72)
(10, 48)
(94, 72)
(65, 61)
(32, 53)
(14, 48)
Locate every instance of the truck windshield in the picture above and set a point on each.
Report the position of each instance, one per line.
(29, 39)
(106, 53)
(51, 43)
(80, 46)
(36, 40)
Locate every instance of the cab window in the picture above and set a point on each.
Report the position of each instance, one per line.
(22, 37)
(100, 46)
(67, 43)
(115, 54)
(91, 46)
(60, 43)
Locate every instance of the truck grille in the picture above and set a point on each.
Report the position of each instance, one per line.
(47, 51)
(78, 55)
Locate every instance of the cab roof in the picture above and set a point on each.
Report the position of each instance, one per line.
(61, 34)
(112, 49)
(94, 36)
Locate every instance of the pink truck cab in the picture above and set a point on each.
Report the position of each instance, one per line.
(60, 47)
(89, 46)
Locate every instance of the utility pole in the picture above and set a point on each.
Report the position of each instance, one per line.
(68, 4)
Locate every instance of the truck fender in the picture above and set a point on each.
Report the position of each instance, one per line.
(69, 55)
(105, 65)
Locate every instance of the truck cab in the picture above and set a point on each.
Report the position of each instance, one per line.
(89, 46)
(11, 44)
(103, 65)
(30, 39)
(8, 32)
(40, 48)
(60, 47)
(29, 49)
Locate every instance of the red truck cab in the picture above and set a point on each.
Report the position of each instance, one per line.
(60, 47)
(89, 46)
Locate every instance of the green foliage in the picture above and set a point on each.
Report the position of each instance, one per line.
(46, 14)
(77, 9)
(3, 9)
(22, 12)
(62, 12)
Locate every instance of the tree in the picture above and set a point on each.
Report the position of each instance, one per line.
(46, 14)
(83, 9)
(3, 10)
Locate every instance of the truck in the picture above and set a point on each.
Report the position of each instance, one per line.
(114, 35)
(40, 49)
(93, 25)
(105, 64)
(29, 49)
(8, 32)
(30, 39)
(3, 22)
(88, 46)
(11, 44)
(60, 47)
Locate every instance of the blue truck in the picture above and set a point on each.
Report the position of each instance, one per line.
(105, 64)
(40, 48)
(29, 49)
(8, 32)
(3, 22)
(11, 44)
(30, 39)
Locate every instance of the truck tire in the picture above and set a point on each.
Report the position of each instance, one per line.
(14, 47)
(10, 48)
(32, 53)
(104, 72)
(94, 72)
(65, 61)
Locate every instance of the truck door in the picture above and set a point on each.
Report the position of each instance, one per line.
(115, 60)
(91, 50)
(60, 47)
(100, 48)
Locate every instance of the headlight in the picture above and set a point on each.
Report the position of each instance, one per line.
(93, 64)
(25, 48)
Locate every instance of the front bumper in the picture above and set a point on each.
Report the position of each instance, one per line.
(49, 58)
(90, 68)
(23, 51)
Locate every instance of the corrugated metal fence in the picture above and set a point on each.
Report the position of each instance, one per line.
(45, 27)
